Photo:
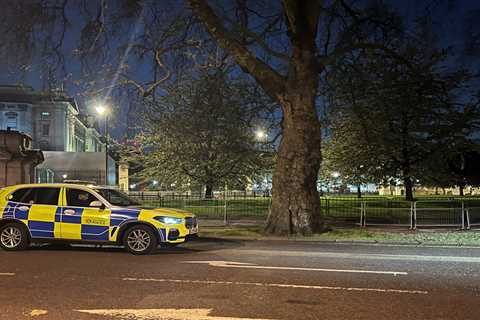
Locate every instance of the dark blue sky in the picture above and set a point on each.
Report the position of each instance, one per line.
(452, 19)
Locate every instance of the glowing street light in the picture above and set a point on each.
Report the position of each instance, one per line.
(101, 109)
(261, 135)
(155, 182)
(335, 174)
(65, 176)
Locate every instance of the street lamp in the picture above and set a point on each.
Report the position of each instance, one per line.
(103, 111)
(261, 135)
(335, 174)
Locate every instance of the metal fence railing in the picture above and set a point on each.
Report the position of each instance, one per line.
(424, 212)
(222, 206)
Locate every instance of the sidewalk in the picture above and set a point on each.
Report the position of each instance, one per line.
(253, 230)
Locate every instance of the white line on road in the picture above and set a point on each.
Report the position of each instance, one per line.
(358, 256)
(231, 264)
(7, 274)
(278, 285)
(161, 314)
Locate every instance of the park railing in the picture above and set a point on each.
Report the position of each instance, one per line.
(366, 211)
(226, 206)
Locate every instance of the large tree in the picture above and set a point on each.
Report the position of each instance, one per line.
(407, 112)
(202, 132)
(286, 47)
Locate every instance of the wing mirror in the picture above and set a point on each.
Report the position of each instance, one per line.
(97, 204)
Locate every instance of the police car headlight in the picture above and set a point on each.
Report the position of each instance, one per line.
(169, 220)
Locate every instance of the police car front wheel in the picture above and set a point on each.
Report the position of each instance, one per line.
(13, 237)
(140, 240)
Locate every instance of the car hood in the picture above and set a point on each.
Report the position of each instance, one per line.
(176, 213)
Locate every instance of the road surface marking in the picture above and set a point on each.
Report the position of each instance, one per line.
(360, 256)
(159, 314)
(410, 245)
(278, 285)
(7, 274)
(36, 313)
(231, 264)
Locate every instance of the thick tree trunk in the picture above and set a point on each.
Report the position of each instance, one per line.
(461, 188)
(359, 191)
(407, 182)
(208, 191)
(295, 199)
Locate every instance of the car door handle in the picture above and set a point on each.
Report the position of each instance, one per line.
(69, 212)
(23, 208)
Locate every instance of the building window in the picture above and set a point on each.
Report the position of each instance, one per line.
(45, 115)
(45, 129)
(11, 120)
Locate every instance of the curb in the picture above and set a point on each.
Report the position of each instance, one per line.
(336, 241)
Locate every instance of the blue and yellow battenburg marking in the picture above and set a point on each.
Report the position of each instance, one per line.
(88, 224)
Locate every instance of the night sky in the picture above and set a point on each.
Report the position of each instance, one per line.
(452, 19)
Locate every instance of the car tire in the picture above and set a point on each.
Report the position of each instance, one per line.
(14, 237)
(140, 239)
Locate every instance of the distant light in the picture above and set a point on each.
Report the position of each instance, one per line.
(101, 109)
(65, 176)
(133, 186)
(335, 174)
(260, 134)
(155, 182)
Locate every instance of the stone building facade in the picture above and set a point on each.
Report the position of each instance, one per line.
(52, 120)
(72, 146)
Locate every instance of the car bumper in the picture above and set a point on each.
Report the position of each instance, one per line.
(178, 234)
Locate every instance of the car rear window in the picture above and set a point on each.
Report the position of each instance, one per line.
(44, 195)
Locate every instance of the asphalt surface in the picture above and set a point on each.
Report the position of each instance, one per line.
(221, 279)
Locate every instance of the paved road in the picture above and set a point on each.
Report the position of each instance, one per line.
(212, 279)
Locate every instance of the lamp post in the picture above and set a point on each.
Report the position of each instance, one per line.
(102, 111)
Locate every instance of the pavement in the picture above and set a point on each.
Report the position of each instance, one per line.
(233, 279)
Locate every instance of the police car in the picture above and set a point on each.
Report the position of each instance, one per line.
(87, 214)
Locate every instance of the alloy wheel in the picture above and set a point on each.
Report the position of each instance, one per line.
(138, 240)
(11, 237)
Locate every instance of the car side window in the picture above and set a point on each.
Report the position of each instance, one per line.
(79, 198)
(25, 195)
(44, 195)
(47, 196)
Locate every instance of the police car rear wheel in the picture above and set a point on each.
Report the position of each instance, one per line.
(140, 240)
(13, 237)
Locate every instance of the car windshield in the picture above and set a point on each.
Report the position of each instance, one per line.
(117, 198)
